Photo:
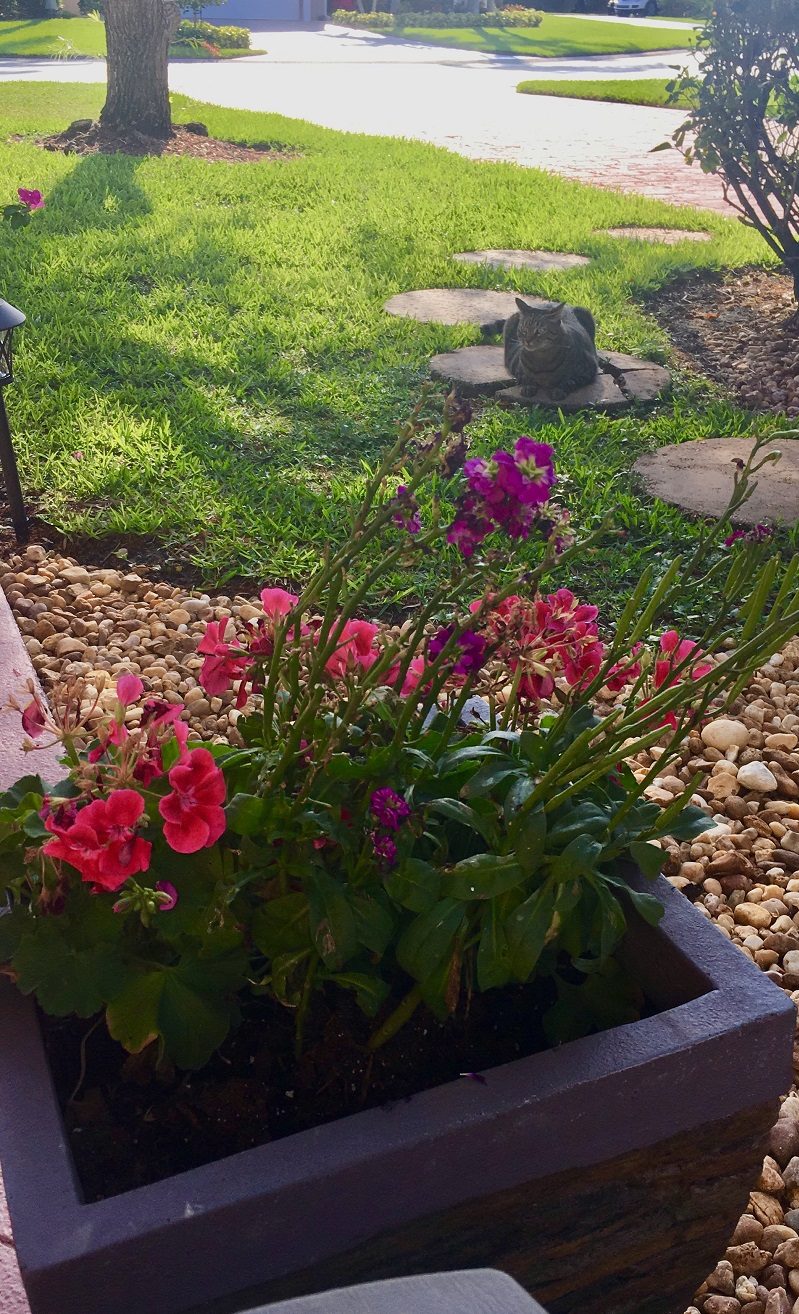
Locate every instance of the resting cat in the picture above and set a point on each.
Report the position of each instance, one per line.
(551, 348)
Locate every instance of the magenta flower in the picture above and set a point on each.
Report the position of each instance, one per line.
(406, 510)
(33, 721)
(31, 198)
(129, 689)
(277, 603)
(193, 815)
(389, 808)
(504, 493)
(472, 649)
(166, 888)
(757, 534)
(385, 849)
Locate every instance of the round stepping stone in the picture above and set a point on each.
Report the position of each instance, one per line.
(480, 371)
(458, 305)
(541, 260)
(668, 236)
(698, 476)
(475, 371)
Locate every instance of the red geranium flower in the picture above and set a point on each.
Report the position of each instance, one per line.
(102, 843)
(193, 815)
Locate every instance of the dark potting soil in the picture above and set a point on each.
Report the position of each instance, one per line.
(129, 1124)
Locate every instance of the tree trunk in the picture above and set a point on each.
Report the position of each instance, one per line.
(138, 33)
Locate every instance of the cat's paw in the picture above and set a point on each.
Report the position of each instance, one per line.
(529, 389)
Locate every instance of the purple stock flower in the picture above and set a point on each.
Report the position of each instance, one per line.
(31, 198)
(503, 493)
(389, 808)
(472, 649)
(385, 848)
(757, 534)
(406, 510)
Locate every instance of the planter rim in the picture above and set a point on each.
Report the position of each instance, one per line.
(454, 1133)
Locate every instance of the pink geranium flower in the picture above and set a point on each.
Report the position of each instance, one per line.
(223, 663)
(33, 720)
(101, 843)
(277, 603)
(356, 648)
(129, 689)
(193, 814)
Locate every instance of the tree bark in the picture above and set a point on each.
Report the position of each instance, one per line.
(138, 33)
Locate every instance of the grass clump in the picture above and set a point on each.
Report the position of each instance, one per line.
(636, 91)
(207, 363)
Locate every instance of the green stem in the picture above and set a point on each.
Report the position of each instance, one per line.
(396, 1020)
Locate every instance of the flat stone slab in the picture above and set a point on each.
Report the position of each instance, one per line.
(668, 236)
(459, 305)
(476, 371)
(698, 476)
(541, 260)
(623, 380)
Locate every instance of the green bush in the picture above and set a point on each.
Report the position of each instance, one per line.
(227, 38)
(22, 9)
(375, 22)
(511, 16)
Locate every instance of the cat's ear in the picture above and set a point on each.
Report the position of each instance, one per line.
(556, 309)
(524, 308)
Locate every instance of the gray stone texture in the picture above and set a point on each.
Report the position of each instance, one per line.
(698, 476)
(541, 260)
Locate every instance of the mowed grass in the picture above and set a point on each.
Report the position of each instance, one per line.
(636, 91)
(70, 38)
(207, 364)
(559, 36)
(52, 37)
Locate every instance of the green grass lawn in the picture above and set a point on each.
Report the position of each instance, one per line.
(70, 38)
(558, 36)
(207, 362)
(638, 91)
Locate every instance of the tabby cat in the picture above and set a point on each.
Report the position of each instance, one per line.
(551, 348)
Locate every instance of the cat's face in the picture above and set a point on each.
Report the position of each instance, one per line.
(539, 324)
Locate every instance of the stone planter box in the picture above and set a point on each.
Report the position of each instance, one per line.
(604, 1176)
(478, 1291)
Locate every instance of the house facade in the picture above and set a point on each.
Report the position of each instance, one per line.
(245, 12)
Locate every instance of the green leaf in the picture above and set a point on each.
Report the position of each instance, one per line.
(371, 992)
(280, 926)
(244, 814)
(572, 821)
(489, 776)
(650, 908)
(692, 821)
(526, 929)
(517, 795)
(528, 835)
(64, 977)
(579, 858)
(649, 857)
(454, 810)
(333, 927)
(429, 939)
(414, 885)
(483, 876)
(14, 924)
(165, 1005)
(374, 920)
(493, 951)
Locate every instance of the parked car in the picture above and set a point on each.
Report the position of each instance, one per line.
(634, 8)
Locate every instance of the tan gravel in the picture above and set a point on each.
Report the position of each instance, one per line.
(743, 874)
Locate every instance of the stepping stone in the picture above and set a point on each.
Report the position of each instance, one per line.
(668, 236)
(542, 260)
(475, 371)
(480, 371)
(603, 394)
(459, 305)
(698, 476)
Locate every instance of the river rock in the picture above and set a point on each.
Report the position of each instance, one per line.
(757, 777)
(725, 733)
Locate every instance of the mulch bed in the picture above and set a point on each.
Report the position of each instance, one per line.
(85, 138)
(737, 331)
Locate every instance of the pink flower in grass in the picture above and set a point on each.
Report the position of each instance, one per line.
(101, 843)
(193, 814)
(31, 198)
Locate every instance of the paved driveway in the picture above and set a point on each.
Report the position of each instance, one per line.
(463, 100)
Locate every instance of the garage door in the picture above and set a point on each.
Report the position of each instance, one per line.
(259, 11)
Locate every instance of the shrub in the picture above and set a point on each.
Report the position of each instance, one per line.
(412, 814)
(512, 16)
(744, 121)
(225, 38)
(10, 9)
(377, 22)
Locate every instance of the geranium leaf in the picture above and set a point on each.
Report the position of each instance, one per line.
(280, 926)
